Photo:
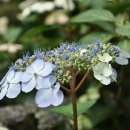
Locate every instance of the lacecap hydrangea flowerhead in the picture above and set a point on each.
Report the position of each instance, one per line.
(47, 71)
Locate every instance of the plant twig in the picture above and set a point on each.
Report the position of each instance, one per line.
(82, 81)
(77, 73)
(66, 89)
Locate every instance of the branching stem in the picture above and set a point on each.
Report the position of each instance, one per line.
(82, 81)
(73, 89)
(66, 89)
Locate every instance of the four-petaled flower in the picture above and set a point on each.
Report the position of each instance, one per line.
(50, 93)
(104, 73)
(34, 75)
(10, 84)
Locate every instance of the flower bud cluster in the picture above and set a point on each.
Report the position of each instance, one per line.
(64, 57)
(78, 57)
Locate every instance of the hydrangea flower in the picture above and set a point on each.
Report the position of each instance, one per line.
(105, 57)
(103, 73)
(10, 84)
(123, 58)
(50, 94)
(34, 75)
(45, 71)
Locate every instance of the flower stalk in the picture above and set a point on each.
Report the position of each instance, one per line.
(74, 103)
(73, 90)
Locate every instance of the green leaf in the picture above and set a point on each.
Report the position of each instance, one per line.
(92, 37)
(34, 31)
(84, 2)
(12, 34)
(95, 116)
(93, 15)
(99, 3)
(125, 45)
(124, 30)
(67, 109)
(82, 107)
(107, 26)
(38, 30)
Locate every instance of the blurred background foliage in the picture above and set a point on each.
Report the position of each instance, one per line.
(29, 24)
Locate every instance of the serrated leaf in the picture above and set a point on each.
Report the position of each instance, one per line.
(93, 15)
(124, 30)
(67, 109)
(92, 37)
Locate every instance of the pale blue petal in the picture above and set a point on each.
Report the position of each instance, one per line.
(13, 90)
(29, 86)
(52, 79)
(38, 65)
(121, 61)
(29, 70)
(26, 77)
(5, 83)
(43, 82)
(10, 75)
(44, 97)
(105, 80)
(3, 80)
(3, 92)
(47, 69)
(17, 77)
(57, 98)
(56, 87)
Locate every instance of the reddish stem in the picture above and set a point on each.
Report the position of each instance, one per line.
(66, 89)
(74, 103)
(82, 81)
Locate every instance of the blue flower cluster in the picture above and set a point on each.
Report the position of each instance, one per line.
(46, 71)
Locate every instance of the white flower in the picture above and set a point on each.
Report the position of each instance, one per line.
(34, 75)
(65, 4)
(82, 52)
(105, 57)
(123, 58)
(50, 94)
(38, 7)
(103, 72)
(41, 7)
(10, 84)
